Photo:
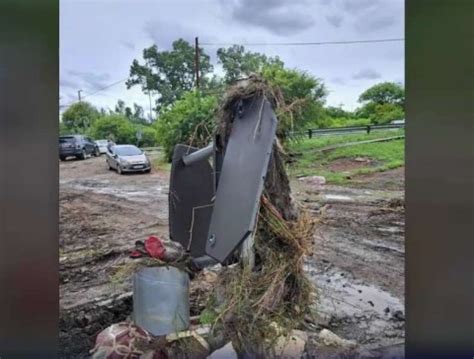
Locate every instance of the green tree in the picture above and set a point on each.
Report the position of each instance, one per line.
(170, 74)
(149, 135)
(189, 121)
(63, 130)
(79, 117)
(382, 103)
(386, 112)
(304, 96)
(115, 125)
(238, 63)
(337, 112)
(382, 93)
(135, 115)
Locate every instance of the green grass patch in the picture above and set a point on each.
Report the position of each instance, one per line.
(384, 155)
(160, 163)
(207, 316)
(318, 142)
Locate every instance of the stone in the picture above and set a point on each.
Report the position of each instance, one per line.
(314, 180)
(292, 346)
(226, 352)
(398, 316)
(328, 338)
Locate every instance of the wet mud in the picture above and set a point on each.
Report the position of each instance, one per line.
(357, 266)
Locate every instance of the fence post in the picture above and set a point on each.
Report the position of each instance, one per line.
(368, 129)
(310, 133)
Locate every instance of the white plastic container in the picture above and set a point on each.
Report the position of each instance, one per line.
(161, 300)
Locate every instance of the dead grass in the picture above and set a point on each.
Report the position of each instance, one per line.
(250, 303)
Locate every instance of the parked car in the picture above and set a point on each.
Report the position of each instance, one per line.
(398, 122)
(77, 146)
(102, 144)
(127, 158)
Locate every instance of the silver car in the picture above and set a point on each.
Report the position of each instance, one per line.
(127, 158)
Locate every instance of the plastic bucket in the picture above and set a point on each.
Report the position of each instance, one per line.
(161, 300)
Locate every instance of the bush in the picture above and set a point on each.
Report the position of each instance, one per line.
(386, 113)
(79, 117)
(116, 126)
(189, 121)
(149, 136)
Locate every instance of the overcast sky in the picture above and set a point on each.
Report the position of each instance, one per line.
(100, 38)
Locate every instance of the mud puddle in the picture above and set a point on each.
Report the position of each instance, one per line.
(131, 192)
(357, 310)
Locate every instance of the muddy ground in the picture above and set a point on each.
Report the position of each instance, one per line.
(357, 266)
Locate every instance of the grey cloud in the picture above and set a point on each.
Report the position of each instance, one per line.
(128, 45)
(335, 20)
(277, 16)
(356, 6)
(91, 79)
(338, 81)
(68, 83)
(163, 34)
(372, 24)
(366, 74)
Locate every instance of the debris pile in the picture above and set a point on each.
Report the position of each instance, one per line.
(249, 302)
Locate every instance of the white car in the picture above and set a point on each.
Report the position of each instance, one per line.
(102, 144)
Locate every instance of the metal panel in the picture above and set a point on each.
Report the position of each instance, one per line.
(190, 201)
(242, 177)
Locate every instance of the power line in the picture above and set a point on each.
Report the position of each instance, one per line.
(348, 42)
(95, 92)
(106, 87)
(302, 43)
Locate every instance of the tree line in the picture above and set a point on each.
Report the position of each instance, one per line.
(187, 115)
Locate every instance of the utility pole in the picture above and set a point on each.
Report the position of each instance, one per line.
(196, 60)
(149, 93)
(79, 95)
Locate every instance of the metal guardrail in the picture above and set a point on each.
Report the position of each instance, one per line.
(341, 130)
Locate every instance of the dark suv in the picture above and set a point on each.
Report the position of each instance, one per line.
(77, 146)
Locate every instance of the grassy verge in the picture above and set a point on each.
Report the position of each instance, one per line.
(382, 155)
(158, 162)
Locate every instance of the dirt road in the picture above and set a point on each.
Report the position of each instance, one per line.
(358, 262)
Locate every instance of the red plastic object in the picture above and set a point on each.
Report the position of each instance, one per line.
(155, 247)
(136, 254)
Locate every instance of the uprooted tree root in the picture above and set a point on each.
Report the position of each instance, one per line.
(256, 305)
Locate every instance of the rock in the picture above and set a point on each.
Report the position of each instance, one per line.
(226, 352)
(292, 346)
(328, 338)
(314, 180)
(398, 316)
(361, 159)
(391, 334)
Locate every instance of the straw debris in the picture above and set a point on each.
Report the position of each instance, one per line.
(252, 302)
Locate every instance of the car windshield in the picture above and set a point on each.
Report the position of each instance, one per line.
(101, 142)
(67, 139)
(127, 151)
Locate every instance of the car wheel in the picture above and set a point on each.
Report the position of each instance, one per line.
(148, 170)
(83, 155)
(119, 170)
(96, 152)
(62, 158)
